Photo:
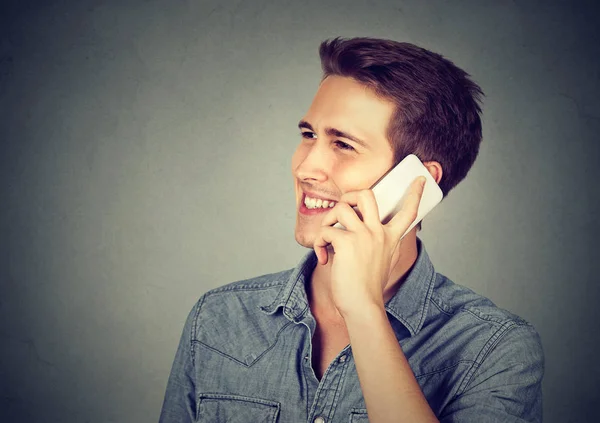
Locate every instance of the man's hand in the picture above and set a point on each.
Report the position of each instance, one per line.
(362, 259)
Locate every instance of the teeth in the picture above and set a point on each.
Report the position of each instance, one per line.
(314, 203)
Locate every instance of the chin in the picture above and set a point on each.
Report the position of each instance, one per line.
(303, 240)
(304, 244)
(304, 236)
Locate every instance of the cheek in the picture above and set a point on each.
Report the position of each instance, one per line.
(348, 176)
(358, 176)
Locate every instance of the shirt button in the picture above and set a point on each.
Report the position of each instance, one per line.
(343, 359)
(319, 420)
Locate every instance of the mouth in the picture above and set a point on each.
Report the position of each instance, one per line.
(313, 204)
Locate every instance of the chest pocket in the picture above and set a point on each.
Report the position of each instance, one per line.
(222, 408)
(359, 415)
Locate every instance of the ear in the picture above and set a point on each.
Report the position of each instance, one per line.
(435, 169)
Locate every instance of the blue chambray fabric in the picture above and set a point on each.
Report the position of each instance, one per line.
(244, 355)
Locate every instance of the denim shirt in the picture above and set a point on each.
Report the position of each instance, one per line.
(245, 355)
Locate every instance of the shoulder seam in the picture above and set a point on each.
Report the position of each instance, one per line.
(259, 282)
(244, 287)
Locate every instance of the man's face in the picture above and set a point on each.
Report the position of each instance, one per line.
(343, 148)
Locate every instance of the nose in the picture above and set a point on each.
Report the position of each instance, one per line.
(312, 162)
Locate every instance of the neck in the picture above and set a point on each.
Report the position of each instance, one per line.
(319, 291)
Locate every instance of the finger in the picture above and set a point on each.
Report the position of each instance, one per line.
(343, 213)
(410, 208)
(323, 253)
(365, 201)
(326, 236)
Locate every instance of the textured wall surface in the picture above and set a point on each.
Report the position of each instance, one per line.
(145, 158)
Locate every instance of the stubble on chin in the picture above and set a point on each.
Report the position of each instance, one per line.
(304, 234)
(302, 239)
(304, 243)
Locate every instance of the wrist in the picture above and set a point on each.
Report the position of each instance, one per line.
(365, 315)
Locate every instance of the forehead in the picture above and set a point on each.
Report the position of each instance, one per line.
(346, 104)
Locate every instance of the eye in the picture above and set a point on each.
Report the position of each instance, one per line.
(308, 135)
(343, 146)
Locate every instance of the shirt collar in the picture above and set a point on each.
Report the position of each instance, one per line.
(409, 305)
(292, 296)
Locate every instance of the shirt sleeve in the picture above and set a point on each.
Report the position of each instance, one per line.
(179, 405)
(506, 384)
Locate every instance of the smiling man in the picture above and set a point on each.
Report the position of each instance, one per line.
(363, 329)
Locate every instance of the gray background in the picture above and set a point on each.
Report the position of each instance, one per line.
(145, 158)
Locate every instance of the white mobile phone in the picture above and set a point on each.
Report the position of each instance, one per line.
(391, 189)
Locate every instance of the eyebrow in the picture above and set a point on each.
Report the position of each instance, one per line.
(333, 132)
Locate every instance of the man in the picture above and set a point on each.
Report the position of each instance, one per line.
(363, 329)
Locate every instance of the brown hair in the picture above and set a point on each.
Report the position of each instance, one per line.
(438, 109)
